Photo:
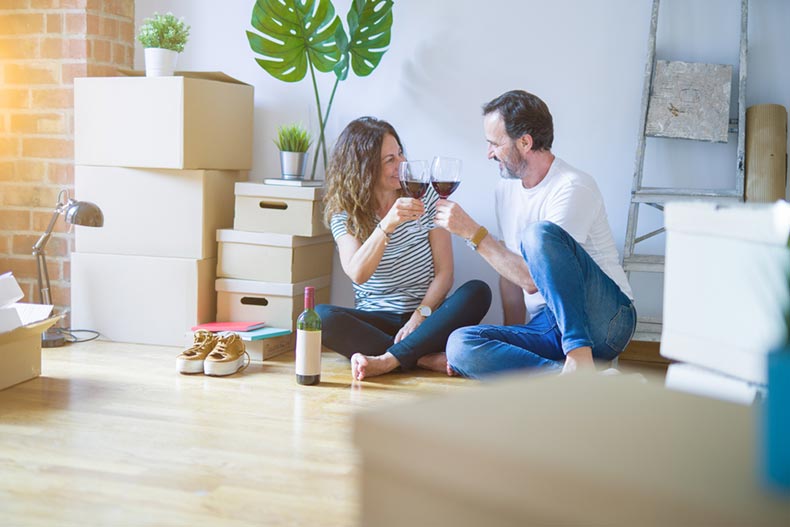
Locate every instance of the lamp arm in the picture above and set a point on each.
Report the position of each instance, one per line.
(39, 246)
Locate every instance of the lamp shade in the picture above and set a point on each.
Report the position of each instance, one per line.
(84, 213)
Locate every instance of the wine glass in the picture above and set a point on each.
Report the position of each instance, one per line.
(445, 175)
(414, 179)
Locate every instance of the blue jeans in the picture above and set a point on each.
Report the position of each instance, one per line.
(348, 331)
(584, 307)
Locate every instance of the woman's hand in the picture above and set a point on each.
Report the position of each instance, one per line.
(403, 210)
(408, 328)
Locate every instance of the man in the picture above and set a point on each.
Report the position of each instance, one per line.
(557, 260)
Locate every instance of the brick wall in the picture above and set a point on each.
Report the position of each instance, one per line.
(44, 45)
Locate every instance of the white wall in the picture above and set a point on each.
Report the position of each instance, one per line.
(585, 58)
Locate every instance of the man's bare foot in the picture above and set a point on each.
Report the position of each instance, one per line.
(579, 359)
(434, 362)
(367, 366)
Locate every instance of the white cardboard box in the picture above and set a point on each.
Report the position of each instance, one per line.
(141, 299)
(272, 257)
(155, 212)
(297, 211)
(202, 121)
(279, 305)
(725, 286)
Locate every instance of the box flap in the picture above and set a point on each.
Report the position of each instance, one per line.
(22, 332)
(262, 190)
(265, 238)
(232, 285)
(10, 292)
(206, 75)
(757, 223)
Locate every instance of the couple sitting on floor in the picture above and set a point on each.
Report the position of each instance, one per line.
(557, 259)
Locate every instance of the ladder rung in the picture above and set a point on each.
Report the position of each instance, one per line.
(662, 195)
(644, 263)
(647, 331)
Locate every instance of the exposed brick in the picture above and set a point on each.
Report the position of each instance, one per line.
(22, 23)
(102, 70)
(123, 8)
(126, 32)
(7, 171)
(57, 245)
(66, 270)
(14, 220)
(92, 24)
(54, 23)
(29, 196)
(26, 267)
(41, 73)
(38, 123)
(73, 4)
(19, 48)
(41, 221)
(14, 98)
(9, 147)
(61, 173)
(30, 170)
(53, 98)
(100, 50)
(60, 293)
(76, 23)
(14, 4)
(64, 48)
(108, 27)
(48, 148)
(69, 71)
(118, 53)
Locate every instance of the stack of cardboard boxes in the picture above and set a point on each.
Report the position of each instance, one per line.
(160, 157)
(278, 246)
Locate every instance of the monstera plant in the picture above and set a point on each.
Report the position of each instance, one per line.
(295, 36)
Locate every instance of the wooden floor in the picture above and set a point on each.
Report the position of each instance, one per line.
(111, 435)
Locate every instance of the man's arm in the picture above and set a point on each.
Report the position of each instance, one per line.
(512, 302)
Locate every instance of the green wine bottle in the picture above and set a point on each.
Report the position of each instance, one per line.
(308, 341)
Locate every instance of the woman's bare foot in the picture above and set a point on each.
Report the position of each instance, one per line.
(367, 366)
(434, 362)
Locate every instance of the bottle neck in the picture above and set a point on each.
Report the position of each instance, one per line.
(309, 299)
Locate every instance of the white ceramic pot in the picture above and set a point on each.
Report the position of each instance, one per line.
(160, 62)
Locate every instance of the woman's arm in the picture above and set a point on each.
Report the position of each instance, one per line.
(442, 252)
(360, 260)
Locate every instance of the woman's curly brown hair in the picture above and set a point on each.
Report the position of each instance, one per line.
(354, 168)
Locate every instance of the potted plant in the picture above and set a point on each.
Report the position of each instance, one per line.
(293, 141)
(293, 37)
(163, 37)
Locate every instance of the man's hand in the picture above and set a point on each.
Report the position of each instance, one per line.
(450, 216)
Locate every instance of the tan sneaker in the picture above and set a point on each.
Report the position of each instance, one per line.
(191, 360)
(227, 357)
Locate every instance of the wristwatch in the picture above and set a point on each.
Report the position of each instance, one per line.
(424, 310)
(478, 237)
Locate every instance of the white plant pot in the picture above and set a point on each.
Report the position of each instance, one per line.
(160, 62)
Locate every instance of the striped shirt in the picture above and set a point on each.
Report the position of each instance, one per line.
(406, 268)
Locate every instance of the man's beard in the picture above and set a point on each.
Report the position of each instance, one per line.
(507, 171)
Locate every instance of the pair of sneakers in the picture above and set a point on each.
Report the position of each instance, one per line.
(215, 355)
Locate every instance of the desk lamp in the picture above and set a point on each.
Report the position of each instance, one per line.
(76, 213)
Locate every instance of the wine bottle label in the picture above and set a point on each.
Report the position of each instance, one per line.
(308, 352)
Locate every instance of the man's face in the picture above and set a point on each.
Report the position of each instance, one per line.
(501, 148)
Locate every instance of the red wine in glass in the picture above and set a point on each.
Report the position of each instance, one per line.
(445, 188)
(445, 175)
(415, 189)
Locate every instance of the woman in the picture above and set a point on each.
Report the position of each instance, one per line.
(400, 278)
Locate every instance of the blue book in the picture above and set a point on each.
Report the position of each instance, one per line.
(263, 333)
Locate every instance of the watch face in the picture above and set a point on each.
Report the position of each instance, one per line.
(424, 310)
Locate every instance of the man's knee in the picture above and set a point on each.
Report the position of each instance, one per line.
(459, 345)
(537, 239)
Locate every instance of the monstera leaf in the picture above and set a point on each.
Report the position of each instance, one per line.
(295, 34)
(369, 28)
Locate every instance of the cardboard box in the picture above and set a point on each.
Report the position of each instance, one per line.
(726, 286)
(203, 121)
(279, 305)
(273, 257)
(155, 212)
(297, 211)
(141, 299)
(261, 349)
(20, 352)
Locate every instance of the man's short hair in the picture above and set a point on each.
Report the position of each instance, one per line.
(524, 113)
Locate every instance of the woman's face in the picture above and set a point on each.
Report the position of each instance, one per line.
(391, 156)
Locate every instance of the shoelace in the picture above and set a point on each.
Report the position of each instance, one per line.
(201, 338)
(220, 352)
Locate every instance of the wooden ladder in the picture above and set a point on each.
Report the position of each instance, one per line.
(649, 329)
